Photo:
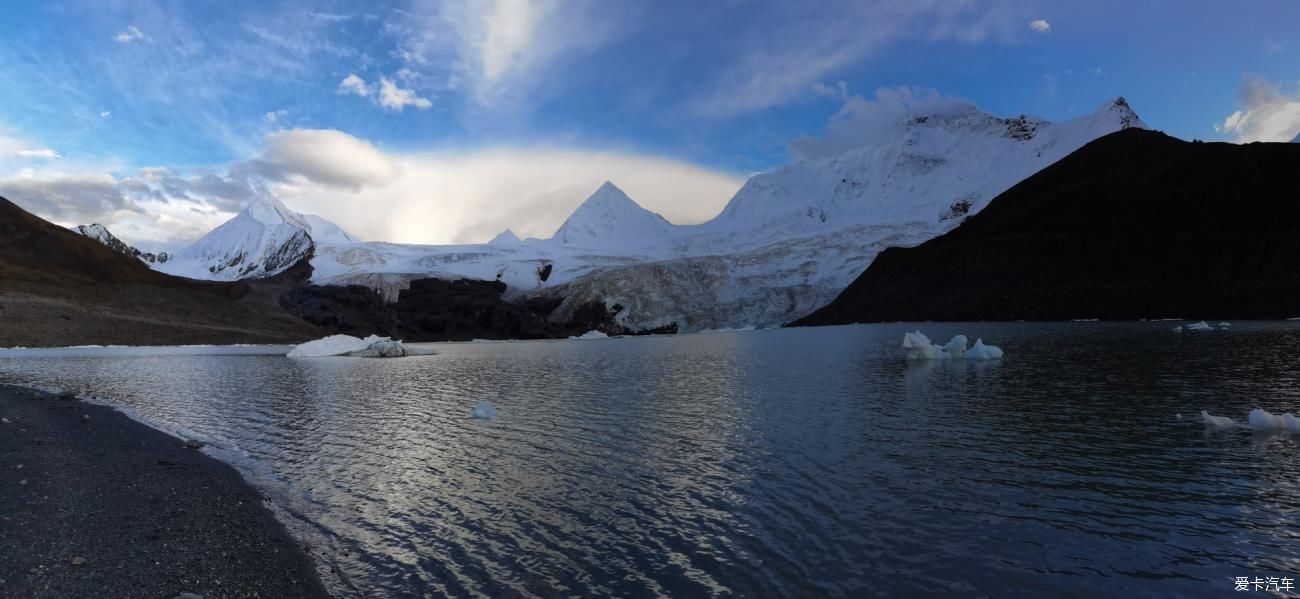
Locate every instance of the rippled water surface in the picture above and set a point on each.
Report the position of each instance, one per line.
(794, 462)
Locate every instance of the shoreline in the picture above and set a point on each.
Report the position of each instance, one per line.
(95, 503)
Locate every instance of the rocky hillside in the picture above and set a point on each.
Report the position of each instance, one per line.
(1134, 225)
(58, 287)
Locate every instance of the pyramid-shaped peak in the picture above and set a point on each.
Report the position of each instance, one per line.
(1119, 109)
(506, 237)
(268, 210)
(609, 217)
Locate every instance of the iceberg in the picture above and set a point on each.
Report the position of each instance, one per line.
(373, 346)
(979, 351)
(591, 335)
(484, 410)
(1199, 326)
(1216, 421)
(919, 347)
(1262, 420)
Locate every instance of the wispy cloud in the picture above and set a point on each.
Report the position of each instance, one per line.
(354, 85)
(863, 123)
(802, 43)
(395, 97)
(1040, 26)
(1266, 114)
(128, 35)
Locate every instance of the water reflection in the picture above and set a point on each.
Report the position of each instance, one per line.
(793, 462)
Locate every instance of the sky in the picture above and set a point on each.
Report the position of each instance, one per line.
(426, 121)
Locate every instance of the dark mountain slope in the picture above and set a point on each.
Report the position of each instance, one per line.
(1134, 225)
(61, 288)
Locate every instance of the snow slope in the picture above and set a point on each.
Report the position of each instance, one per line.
(787, 243)
(101, 234)
(263, 240)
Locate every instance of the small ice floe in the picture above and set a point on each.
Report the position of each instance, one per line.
(1178, 329)
(919, 347)
(1216, 421)
(1224, 325)
(1178, 416)
(484, 410)
(591, 335)
(1199, 326)
(373, 346)
(1263, 420)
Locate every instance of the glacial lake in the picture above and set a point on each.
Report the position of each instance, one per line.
(796, 462)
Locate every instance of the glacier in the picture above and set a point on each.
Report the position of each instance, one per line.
(786, 244)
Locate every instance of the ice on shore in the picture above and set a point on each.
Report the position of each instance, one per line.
(1216, 421)
(591, 335)
(919, 347)
(484, 410)
(373, 346)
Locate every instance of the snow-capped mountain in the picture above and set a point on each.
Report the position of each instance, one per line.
(787, 243)
(263, 240)
(611, 220)
(101, 234)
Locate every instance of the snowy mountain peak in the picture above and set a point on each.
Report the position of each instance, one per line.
(265, 239)
(610, 219)
(934, 170)
(101, 234)
(506, 237)
(1118, 113)
(270, 211)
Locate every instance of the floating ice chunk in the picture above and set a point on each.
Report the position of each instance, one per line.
(1178, 329)
(1291, 422)
(591, 335)
(1199, 326)
(1262, 420)
(919, 347)
(337, 345)
(484, 410)
(1178, 416)
(1224, 325)
(383, 349)
(1216, 421)
(956, 347)
(979, 351)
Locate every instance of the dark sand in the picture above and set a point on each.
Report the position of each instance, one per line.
(108, 507)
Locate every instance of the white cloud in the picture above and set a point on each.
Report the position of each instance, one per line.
(325, 156)
(128, 35)
(862, 123)
(500, 50)
(39, 153)
(415, 197)
(1266, 114)
(805, 42)
(275, 116)
(106, 115)
(447, 197)
(352, 84)
(1040, 26)
(67, 198)
(393, 97)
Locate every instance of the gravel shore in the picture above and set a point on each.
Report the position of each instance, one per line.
(94, 504)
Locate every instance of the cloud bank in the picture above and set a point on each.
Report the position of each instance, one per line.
(1267, 114)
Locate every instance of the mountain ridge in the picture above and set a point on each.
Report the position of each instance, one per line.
(1134, 225)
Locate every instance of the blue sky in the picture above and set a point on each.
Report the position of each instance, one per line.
(701, 93)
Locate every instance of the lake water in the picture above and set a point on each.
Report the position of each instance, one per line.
(797, 462)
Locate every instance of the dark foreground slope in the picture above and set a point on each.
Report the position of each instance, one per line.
(61, 288)
(1134, 225)
(93, 504)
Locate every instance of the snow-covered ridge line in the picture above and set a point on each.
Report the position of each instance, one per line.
(784, 245)
(101, 234)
